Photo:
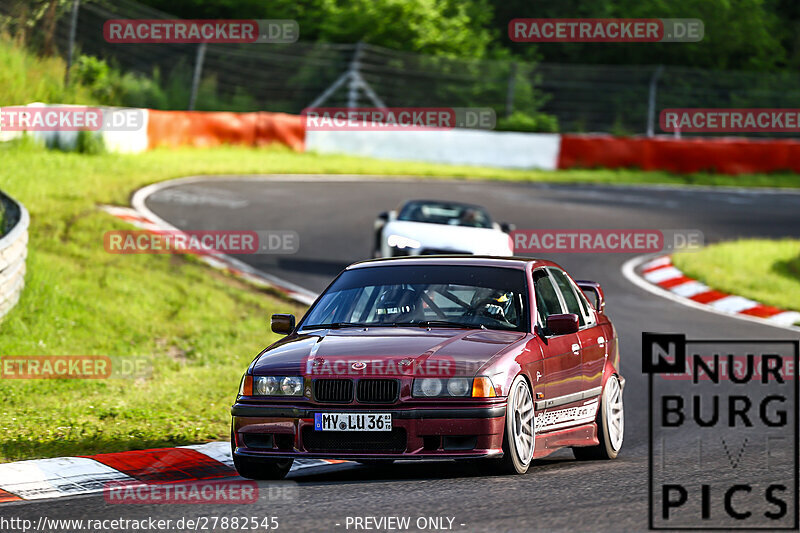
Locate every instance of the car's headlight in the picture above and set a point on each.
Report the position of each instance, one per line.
(292, 386)
(438, 387)
(278, 386)
(459, 386)
(398, 241)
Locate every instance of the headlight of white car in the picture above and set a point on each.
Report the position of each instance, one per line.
(398, 241)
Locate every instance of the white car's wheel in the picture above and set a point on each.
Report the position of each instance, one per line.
(519, 440)
(610, 425)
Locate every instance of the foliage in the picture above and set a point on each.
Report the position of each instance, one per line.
(739, 34)
(439, 27)
(520, 121)
(25, 78)
(89, 143)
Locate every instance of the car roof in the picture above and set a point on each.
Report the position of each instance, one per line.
(443, 202)
(520, 263)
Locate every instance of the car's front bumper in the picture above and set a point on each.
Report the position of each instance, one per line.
(417, 433)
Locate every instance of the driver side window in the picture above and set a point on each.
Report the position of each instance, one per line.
(547, 302)
(569, 295)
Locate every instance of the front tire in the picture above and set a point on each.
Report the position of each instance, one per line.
(610, 425)
(519, 439)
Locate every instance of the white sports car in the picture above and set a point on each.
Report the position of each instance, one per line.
(432, 227)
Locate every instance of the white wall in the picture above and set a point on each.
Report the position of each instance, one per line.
(457, 147)
(132, 142)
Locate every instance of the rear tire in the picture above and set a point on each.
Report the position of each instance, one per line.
(519, 438)
(610, 425)
(262, 469)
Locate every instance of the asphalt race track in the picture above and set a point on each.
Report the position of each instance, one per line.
(334, 220)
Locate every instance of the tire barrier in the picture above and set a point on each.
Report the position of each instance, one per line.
(211, 128)
(13, 252)
(721, 155)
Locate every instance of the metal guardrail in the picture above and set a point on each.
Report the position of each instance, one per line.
(13, 252)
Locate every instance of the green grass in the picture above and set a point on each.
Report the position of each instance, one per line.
(767, 271)
(27, 78)
(197, 327)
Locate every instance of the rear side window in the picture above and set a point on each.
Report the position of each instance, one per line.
(569, 295)
(547, 302)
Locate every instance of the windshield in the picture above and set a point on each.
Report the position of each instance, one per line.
(446, 213)
(424, 295)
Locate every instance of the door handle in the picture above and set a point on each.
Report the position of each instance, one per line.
(576, 348)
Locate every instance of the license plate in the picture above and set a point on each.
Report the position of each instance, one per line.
(352, 421)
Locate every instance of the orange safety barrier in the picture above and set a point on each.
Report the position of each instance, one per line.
(213, 128)
(725, 156)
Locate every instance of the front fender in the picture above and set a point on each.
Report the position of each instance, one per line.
(525, 358)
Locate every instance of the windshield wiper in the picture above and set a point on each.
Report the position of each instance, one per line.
(439, 323)
(335, 325)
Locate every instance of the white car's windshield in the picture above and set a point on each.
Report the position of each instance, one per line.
(446, 213)
(427, 295)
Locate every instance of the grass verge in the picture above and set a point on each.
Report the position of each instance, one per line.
(198, 328)
(767, 271)
(26, 77)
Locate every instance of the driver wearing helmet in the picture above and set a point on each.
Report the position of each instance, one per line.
(396, 304)
(493, 303)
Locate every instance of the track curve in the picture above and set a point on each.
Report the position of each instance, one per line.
(334, 217)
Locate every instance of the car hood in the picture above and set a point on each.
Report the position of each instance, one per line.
(385, 352)
(479, 241)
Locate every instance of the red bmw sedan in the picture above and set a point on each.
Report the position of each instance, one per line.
(439, 357)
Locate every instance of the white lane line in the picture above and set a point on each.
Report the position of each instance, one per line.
(51, 478)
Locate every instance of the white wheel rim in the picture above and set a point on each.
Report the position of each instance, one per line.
(615, 416)
(523, 423)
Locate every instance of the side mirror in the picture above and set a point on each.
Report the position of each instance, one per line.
(384, 216)
(562, 324)
(283, 324)
(507, 227)
(593, 286)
